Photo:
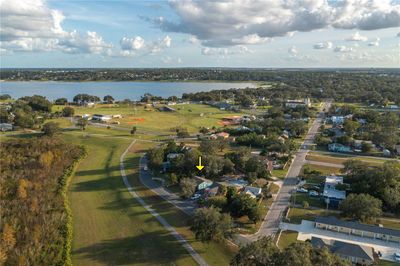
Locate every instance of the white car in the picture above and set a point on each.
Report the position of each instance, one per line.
(313, 193)
(301, 190)
(195, 196)
(145, 168)
(397, 256)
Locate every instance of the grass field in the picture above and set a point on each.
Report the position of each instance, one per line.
(297, 214)
(213, 253)
(325, 170)
(191, 116)
(287, 238)
(340, 159)
(110, 227)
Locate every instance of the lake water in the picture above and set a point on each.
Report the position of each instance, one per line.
(119, 90)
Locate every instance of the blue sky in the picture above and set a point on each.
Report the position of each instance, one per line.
(229, 33)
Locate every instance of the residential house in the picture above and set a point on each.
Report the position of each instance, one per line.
(386, 153)
(102, 118)
(295, 103)
(332, 223)
(223, 135)
(331, 195)
(253, 192)
(202, 183)
(337, 120)
(337, 147)
(356, 254)
(6, 127)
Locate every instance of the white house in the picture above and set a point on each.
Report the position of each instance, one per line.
(254, 192)
(295, 103)
(103, 118)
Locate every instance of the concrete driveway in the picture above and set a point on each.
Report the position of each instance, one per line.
(307, 230)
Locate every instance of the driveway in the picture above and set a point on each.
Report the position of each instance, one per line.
(270, 225)
(307, 230)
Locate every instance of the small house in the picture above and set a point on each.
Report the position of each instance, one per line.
(102, 118)
(337, 147)
(331, 195)
(253, 192)
(6, 127)
(356, 254)
(202, 183)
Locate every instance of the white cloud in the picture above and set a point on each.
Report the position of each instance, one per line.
(193, 40)
(30, 25)
(238, 50)
(293, 51)
(233, 22)
(343, 49)
(323, 45)
(375, 42)
(356, 37)
(135, 43)
(90, 42)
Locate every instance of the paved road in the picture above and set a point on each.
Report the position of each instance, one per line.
(270, 225)
(146, 178)
(166, 225)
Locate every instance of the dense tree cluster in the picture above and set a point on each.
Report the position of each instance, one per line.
(370, 86)
(380, 182)
(33, 216)
(265, 252)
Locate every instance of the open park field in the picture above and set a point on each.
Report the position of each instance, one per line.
(149, 119)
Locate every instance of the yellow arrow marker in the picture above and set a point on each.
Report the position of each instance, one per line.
(200, 166)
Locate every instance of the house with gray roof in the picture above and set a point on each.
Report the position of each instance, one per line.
(356, 254)
(332, 223)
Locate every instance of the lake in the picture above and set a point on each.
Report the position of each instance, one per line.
(119, 90)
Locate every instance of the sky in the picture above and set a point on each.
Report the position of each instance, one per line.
(190, 33)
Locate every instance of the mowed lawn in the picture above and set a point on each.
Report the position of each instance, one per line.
(214, 253)
(110, 227)
(191, 116)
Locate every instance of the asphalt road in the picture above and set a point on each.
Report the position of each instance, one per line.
(270, 225)
(196, 256)
(146, 178)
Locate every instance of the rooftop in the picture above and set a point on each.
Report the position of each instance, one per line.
(331, 220)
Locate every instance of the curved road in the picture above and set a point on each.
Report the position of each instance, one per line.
(166, 225)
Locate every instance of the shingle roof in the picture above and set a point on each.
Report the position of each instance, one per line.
(343, 248)
(356, 225)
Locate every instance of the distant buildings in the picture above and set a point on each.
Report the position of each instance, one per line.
(295, 103)
(331, 195)
(356, 254)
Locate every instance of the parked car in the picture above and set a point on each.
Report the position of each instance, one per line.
(397, 256)
(195, 196)
(301, 190)
(145, 168)
(313, 193)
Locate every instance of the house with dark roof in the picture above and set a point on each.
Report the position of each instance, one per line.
(332, 223)
(356, 254)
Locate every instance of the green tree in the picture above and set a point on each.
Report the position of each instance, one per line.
(366, 147)
(222, 143)
(254, 214)
(82, 123)
(173, 179)
(260, 252)
(61, 101)
(51, 128)
(108, 99)
(208, 147)
(68, 111)
(363, 207)
(350, 127)
(209, 224)
(133, 130)
(188, 186)
(156, 158)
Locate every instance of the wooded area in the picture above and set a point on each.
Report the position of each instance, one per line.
(35, 218)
